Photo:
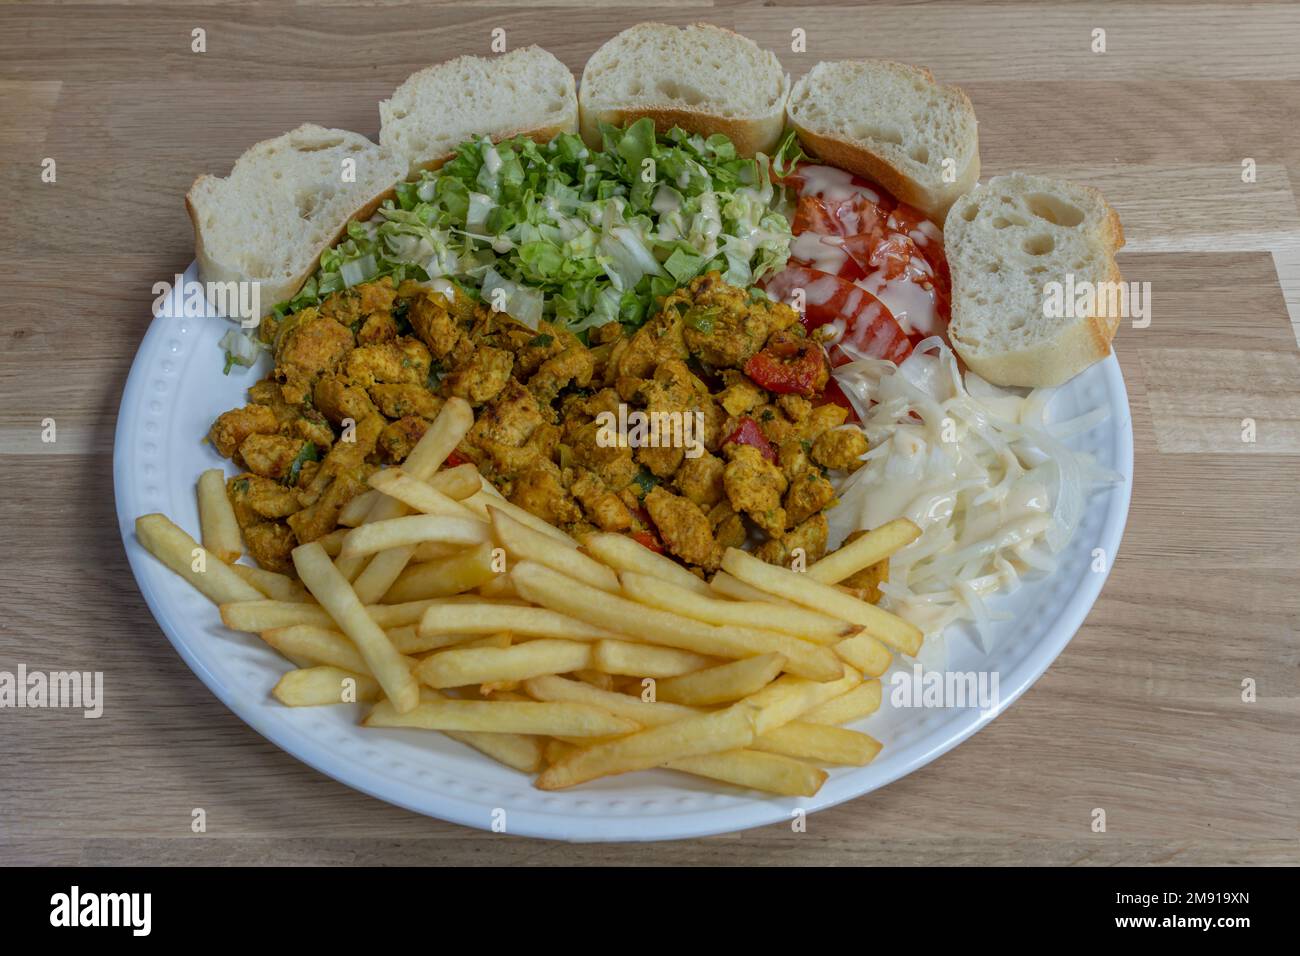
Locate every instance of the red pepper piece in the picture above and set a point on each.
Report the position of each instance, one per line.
(789, 365)
(748, 433)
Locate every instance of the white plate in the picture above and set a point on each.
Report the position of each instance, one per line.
(175, 390)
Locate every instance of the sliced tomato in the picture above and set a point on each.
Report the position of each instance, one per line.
(868, 325)
(456, 458)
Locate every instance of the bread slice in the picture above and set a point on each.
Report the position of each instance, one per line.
(702, 78)
(891, 123)
(526, 92)
(1005, 242)
(283, 204)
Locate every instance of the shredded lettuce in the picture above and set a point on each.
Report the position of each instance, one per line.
(580, 237)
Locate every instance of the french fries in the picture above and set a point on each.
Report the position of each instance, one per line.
(721, 684)
(860, 702)
(411, 530)
(527, 544)
(890, 628)
(459, 667)
(656, 592)
(317, 686)
(439, 441)
(457, 483)
(207, 572)
(874, 546)
(335, 594)
(463, 571)
(551, 589)
(644, 660)
(623, 554)
(575, 660)
(416, 494)
(865, 653)
(356, 510)
(770, 773)
(730, 729)
(318, 644)
(276, 586)
(820, 743)
(481, 501)
(502, 716)
(485, 618)
(217, 525)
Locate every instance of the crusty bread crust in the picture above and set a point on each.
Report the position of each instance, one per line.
(857, 159)
(749, 136)
(271, 292)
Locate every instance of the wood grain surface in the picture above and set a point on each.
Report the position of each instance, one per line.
(1142, 715)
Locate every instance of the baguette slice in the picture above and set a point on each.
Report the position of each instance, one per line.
(283, 204)
(702, 78)
(526, 92)
(891, 123)
(1005, 242)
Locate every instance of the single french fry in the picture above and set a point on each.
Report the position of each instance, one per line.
(263, 615)
(860, 702)
(553, 590)
(317, 686)
(875, 545)
(625, 554)
(416, 494)
(721, 684)
(276, 586)
(178, 551)
(643, 660)
(770, 773)
(217, 525)
(487, 618)
(865, 653)
(410, 530)
(729, 729)
(335, 594)
(460, 666)
(355, 511)
(446, 576)
(656, 592)
(523, 543)
(510, 717)
(797, 587)
(819, 743)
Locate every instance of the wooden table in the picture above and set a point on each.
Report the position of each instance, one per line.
(1142, 715)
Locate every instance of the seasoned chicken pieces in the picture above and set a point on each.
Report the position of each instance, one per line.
(723, 457)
